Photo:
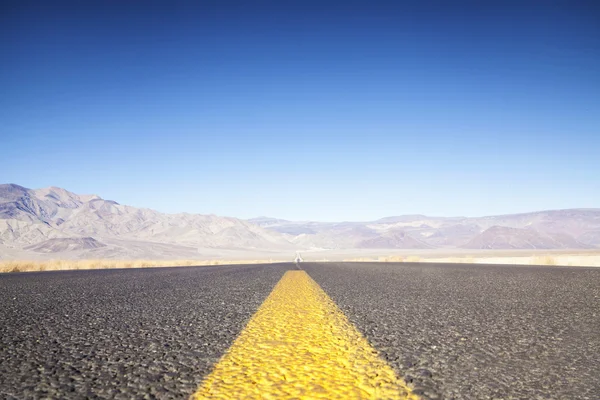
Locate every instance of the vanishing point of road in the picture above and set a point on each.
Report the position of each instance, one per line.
(320, 330)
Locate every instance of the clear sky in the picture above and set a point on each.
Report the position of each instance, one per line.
(328, 110)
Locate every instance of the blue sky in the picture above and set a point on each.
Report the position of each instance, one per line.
(305, 110)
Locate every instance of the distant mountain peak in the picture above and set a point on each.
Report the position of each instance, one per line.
(11, 188)
(32, 217)
(62, 221)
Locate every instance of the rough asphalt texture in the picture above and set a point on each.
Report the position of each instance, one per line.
(474, 331)
(122, 334)
(452, 331)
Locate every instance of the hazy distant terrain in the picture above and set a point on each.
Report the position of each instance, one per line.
(557, 229)
(53, 221)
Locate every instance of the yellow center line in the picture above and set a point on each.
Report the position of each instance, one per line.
(299, 344)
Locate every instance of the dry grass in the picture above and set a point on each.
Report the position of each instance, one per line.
(360, 259)
(391, 259)
(543, 260)
(57, 265)
(462, 260)
(387, 259)
(589, 260)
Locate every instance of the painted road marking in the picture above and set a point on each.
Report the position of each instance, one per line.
(299, 344)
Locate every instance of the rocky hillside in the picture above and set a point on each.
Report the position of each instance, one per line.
(502, 237)
(55, 221)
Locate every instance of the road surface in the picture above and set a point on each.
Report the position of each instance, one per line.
(445, 331)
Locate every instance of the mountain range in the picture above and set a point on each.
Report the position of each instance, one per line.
(54, 221)
(554, 229)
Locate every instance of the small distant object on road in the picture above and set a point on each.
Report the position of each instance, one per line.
(298, 258)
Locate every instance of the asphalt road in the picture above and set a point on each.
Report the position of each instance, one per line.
(452, 331)
(122, 334)
(474, 331)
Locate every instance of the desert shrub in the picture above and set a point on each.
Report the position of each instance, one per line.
(544, 260)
